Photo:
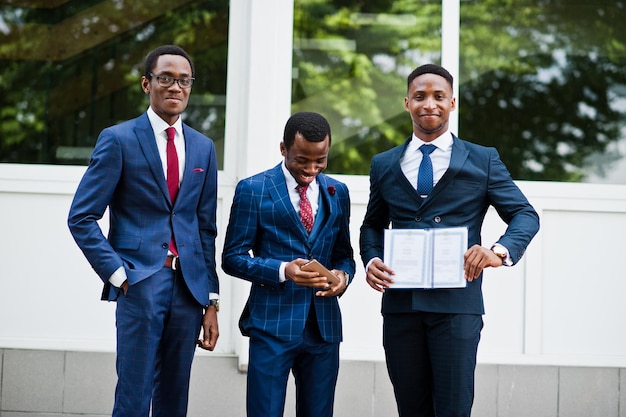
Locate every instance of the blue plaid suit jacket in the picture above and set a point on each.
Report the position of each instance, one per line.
(263, 221)
(125, 174)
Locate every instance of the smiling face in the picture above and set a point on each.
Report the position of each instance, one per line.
(168, 102)
(429, 101)
(304, 159)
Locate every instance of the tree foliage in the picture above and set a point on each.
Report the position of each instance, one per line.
(70, 71)
(542, 81)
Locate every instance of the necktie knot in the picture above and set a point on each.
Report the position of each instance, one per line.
(302, 190)
(427, 149)
(171, 133)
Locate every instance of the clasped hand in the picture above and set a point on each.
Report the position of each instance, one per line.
(314, 279)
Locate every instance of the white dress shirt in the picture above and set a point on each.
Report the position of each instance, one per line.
(159, 126)
(312, 193)
(440, 157)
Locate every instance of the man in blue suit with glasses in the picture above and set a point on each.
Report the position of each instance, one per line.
(158, 179)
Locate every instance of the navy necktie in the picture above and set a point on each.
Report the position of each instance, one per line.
(425, 173)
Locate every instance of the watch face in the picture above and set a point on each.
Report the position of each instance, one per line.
(500, 251)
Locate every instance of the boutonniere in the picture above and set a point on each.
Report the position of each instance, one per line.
(332, 190)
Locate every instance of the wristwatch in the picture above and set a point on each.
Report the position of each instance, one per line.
(500, 251)
(215, 303)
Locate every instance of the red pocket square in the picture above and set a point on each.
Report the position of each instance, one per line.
(198, 170)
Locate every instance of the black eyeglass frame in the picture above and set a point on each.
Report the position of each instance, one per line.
(166, 81)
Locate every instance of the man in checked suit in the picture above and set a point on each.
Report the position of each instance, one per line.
(158, 261)
(292, 316)
(431, 336)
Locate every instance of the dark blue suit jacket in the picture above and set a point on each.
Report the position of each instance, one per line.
(263, 220)
(475, 180)
(126, 175)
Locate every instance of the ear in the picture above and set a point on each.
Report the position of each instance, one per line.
(406, 104)
(145, 85)
(283, 148)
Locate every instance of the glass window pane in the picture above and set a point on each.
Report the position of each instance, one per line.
(545, 83)
(351, 59)
(69, 68)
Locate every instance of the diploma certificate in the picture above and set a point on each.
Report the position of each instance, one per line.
(426, 258)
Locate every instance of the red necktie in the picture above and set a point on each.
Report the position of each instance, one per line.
(306, 212)
(172, 174)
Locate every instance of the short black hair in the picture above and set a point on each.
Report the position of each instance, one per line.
(153, 56)
(429, 69)
(312, 126)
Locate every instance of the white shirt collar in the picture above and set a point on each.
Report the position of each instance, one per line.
(292, 183)
(159, 125)
(443, 142)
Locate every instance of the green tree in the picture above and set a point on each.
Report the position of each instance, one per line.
(69, 71)
(542, 81)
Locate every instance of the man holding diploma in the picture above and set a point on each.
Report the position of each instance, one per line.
(436, 180)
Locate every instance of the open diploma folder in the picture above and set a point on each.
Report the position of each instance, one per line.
(426, 258)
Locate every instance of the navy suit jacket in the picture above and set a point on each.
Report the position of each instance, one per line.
(126, 175)
(263, 220)
(475, 180)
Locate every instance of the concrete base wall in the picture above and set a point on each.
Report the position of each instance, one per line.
(63, 383)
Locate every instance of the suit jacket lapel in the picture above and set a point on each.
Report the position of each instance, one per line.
(400, 178)
(190, 163)
(457, 159)
(277, 189)
(325, 213)
(145, 136)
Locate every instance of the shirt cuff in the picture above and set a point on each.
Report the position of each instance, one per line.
(281, 272)
(370, 262)
(118, 277)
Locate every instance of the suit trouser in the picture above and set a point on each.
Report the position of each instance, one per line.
(431, 359)
(158, 323)
(315, 366)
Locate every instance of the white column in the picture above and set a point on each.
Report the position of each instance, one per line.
(450, 33)
(258, 103)
(259, 84)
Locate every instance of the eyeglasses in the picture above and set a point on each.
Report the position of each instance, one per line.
(167, 81)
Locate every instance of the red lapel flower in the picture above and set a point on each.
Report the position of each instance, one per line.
(332, 190)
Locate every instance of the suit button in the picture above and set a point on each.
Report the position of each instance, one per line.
(437, 219)
(165, 245)
(418, 219)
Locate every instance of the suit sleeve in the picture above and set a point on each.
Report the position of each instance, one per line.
(375, 222)
(206, 212)
(91, 199)
(512, 207)
(343, 255)
(241, 238)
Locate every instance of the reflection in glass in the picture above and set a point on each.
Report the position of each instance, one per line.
(545, 83)
(351, 59)
(69, 68)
